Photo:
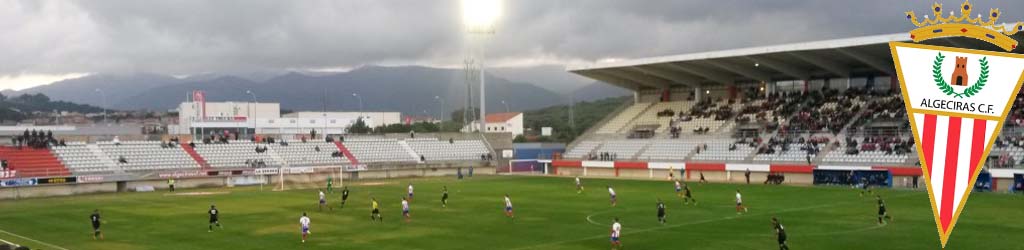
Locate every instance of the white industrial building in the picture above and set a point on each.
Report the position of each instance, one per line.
(246, 118)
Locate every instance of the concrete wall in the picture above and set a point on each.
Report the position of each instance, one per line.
(179, 183)
(710, 176)
(56, 190)
(292, 181)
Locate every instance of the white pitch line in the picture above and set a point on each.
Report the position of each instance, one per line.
(684, 224)
(8, 242)
(33, 240)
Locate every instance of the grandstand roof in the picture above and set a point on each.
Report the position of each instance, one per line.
(838, 58)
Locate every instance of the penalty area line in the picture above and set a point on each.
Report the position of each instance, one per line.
(33, 240)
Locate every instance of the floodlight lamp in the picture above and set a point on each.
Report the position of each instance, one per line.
(479, 16)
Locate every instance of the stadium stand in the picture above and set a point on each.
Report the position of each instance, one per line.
(722, 150)
(793, 155)
(32, 162)
(623, 118)
(237, 154)
(147, 155)
(372, 150)
(669, 149)
(83, 159)
(622, 149)
(302, 154)
(660, 114)
(433, 149)
(582, 150)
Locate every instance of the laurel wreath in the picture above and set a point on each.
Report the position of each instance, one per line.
(948, 90)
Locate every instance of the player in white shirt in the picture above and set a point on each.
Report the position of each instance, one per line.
(304, 222)
(323, 201)
(410, 191)
(739, 203)
(405, 209)
(679, 189)
(616, 232)
(508, 208)
(611, 192)
(579, 185)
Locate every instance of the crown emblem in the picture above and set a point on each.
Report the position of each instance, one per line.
(965, 26)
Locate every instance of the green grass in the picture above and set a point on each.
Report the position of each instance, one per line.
(550, 215)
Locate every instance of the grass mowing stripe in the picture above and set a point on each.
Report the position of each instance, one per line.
(688, 223)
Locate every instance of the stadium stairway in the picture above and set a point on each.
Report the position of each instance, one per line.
(405, 145)
(351, 158)
(195, 156)
(95, 150)
(33, 162)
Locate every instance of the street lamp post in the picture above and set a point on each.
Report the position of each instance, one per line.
(440, 117)
(360, 98)
(506, 106)
(255, 123)
(103, 96)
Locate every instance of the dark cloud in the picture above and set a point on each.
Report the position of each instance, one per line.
(192, 36)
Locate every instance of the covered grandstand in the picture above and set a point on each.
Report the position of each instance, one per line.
(791, 108)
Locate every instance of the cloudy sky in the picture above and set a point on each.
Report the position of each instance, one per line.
(46, 40)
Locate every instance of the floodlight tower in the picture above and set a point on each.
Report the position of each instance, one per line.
(479, 17)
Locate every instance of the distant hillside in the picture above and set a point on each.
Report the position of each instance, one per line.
(17, 108)
(550, 77)
(410, 90)
(586, 114)
(117, 88)
(598, 91)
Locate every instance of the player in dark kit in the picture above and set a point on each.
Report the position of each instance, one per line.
(444, 197)
(661, 211)
(95, 218)
(344, 196)
(213, 218)
(865, 185)
(882, 214)
(780, 233)
(688, 196)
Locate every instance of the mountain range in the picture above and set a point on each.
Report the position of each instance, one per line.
(411, 90)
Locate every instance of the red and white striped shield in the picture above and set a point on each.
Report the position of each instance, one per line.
(957, 100)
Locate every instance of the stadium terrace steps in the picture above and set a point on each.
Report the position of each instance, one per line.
(95, 150)
(438, 150)
(853, 120)
(236, 154)
(147, 155)
(81, 158)
(195, 156)
(409, 149)
(351, 158)
(33, 162)
(373, 150)
(582, 149)
(620, 120)
(310, 153)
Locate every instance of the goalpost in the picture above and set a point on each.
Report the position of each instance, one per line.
(524, 166)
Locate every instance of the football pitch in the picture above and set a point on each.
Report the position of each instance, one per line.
(549, 215)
